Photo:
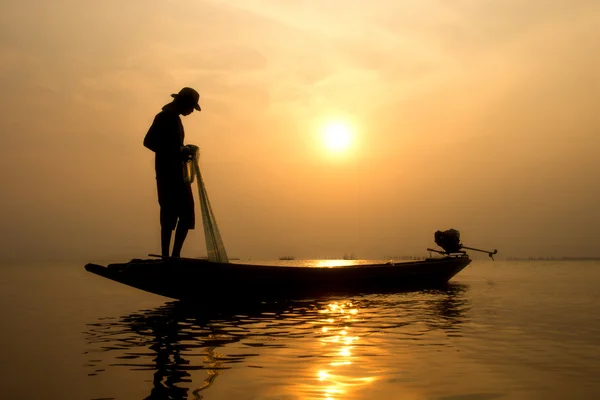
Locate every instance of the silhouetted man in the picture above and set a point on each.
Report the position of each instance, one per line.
(165, 138)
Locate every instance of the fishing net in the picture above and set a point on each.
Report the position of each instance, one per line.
(214, 244)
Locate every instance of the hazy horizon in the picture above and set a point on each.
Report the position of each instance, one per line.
(479, 116)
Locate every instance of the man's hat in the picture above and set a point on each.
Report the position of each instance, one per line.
(189, 95)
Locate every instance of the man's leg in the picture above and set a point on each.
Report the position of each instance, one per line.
(180, 235)
(186, 218)
(165, 241)
(168, 214)
(168, 219)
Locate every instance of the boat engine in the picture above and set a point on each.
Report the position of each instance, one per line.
(448, 240)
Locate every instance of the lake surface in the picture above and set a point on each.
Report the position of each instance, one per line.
(500, 330)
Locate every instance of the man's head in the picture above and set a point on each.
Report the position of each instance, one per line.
(187, 100)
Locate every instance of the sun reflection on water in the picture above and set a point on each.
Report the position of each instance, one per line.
(332, 263)
(376, 346)
(335, 380)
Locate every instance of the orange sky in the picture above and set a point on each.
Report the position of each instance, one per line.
(479, 116)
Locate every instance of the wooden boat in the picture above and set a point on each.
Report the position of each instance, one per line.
(200, 280)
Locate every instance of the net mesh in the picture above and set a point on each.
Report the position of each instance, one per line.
(214, 244)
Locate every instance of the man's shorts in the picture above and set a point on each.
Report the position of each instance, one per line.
(176, 204)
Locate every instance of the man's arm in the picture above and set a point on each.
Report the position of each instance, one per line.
(162, 137)
(152, 138)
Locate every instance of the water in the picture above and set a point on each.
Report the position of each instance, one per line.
(501, 330)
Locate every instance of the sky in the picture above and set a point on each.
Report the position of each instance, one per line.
(467, 114)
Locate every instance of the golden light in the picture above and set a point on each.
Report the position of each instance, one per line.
(341, 377)
(337, 136)
(345, 351)
(322, 375)
(331, 264)
(338, 363)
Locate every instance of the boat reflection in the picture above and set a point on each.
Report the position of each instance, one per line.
(340, 339)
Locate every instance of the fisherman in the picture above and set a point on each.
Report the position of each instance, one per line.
(165, 138)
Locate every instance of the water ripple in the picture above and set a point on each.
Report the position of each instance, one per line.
(324, 348)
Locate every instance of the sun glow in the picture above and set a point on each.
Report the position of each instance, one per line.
(337, 136)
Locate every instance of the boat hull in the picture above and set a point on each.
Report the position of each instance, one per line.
(193, 279)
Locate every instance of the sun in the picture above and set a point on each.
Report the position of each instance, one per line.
(336, 136)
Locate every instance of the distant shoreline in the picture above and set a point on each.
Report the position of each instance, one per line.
(553, 258)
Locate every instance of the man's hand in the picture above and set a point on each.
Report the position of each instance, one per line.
(193, 148)
(186, 153)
